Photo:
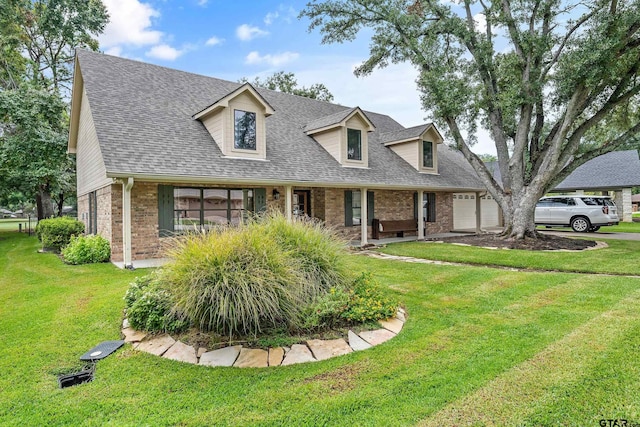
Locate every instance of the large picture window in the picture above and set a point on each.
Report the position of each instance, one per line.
(204, 208)
(244, 130)
(354, 144)
(427, 154)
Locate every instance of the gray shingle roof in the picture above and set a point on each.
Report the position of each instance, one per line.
(143, 119)
(328, 120)
(617, 169)
(402, 134)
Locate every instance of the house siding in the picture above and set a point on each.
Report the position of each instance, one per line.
(91, 171)
(409, 151)
(331, 141)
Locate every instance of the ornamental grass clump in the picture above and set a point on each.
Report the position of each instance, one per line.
(239, 280)
(318, 249)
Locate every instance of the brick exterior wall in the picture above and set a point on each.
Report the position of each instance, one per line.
(388, 205)
(327, 204)
(103, 209)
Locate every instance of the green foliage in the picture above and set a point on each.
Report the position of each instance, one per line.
(149, 307)
(38, 40)
(287, 83)
(55, 233)
(86, 250)
(259, 274)
(360, 301)
(317, 249)
(554, 84)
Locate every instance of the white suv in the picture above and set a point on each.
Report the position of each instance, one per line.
(581, 213)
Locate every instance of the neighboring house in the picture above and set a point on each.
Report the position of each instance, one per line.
(160, 151)
(613, 174)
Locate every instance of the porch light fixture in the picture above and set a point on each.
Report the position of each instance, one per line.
(276, 194)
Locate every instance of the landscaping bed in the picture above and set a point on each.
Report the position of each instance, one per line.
(544, 242)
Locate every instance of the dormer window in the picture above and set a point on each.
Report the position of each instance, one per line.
(236, 123)
(344, 135)
(417, 145)
(427, 154)
(244, 130)
(354, 144)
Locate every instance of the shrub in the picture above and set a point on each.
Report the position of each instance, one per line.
(359, 302)
(367, 302)
(234, 280)
(319, 250)
(86, 250)
(256, 275)
(56, 233)
(149, 307)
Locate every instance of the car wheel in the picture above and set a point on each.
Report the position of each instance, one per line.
(580, 224)
(594, 229)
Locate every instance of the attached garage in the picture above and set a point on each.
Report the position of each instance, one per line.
(490, 212)
(464, 211)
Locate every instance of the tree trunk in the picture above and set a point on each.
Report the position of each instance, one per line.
(60, 203)
(43, 202)
(519, 214)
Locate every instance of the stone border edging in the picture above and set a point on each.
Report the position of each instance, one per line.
(244, 357)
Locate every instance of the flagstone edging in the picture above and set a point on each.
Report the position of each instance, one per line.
(244, 357)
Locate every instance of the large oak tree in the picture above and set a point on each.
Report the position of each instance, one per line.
(38, 39)
(555, 83)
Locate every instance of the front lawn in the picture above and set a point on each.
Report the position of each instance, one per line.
(481, 346)
(621, 257)
(623, 227)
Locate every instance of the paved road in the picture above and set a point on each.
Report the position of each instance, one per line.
(597, 235)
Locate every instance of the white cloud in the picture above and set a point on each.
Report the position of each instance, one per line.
(275, 60)
(246, 32)
(115, 51)
(130, 23)
(164, 51)
(202, 2)
(284, 13)
(270, 17)
(480, 21)
(214, 41)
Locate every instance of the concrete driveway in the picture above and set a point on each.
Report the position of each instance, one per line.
(597, 235)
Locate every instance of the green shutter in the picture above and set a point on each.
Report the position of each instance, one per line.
(348, 208)
(260, 199)
(415, 205)
(165, 210)
(370, 207)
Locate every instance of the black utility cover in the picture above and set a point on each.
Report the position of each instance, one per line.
(102, 350)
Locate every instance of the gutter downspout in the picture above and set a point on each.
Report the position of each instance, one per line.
(126, 223)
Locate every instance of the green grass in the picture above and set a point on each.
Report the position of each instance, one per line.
(620, 257)
(482, 346)
(12, 224)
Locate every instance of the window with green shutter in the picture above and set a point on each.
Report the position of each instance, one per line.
(353, 208)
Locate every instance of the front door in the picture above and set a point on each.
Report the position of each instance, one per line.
(302, 203)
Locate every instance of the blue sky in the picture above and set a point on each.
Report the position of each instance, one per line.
(234, 39)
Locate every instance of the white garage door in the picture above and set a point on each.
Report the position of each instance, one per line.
(490, 212)
(464, 211)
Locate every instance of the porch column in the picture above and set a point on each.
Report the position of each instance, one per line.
(622, 199)
(126, 222)
(288, 202)
(363, 216)
(478, 212)
(420, 215)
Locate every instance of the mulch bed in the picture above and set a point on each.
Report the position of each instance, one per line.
(543, 242)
